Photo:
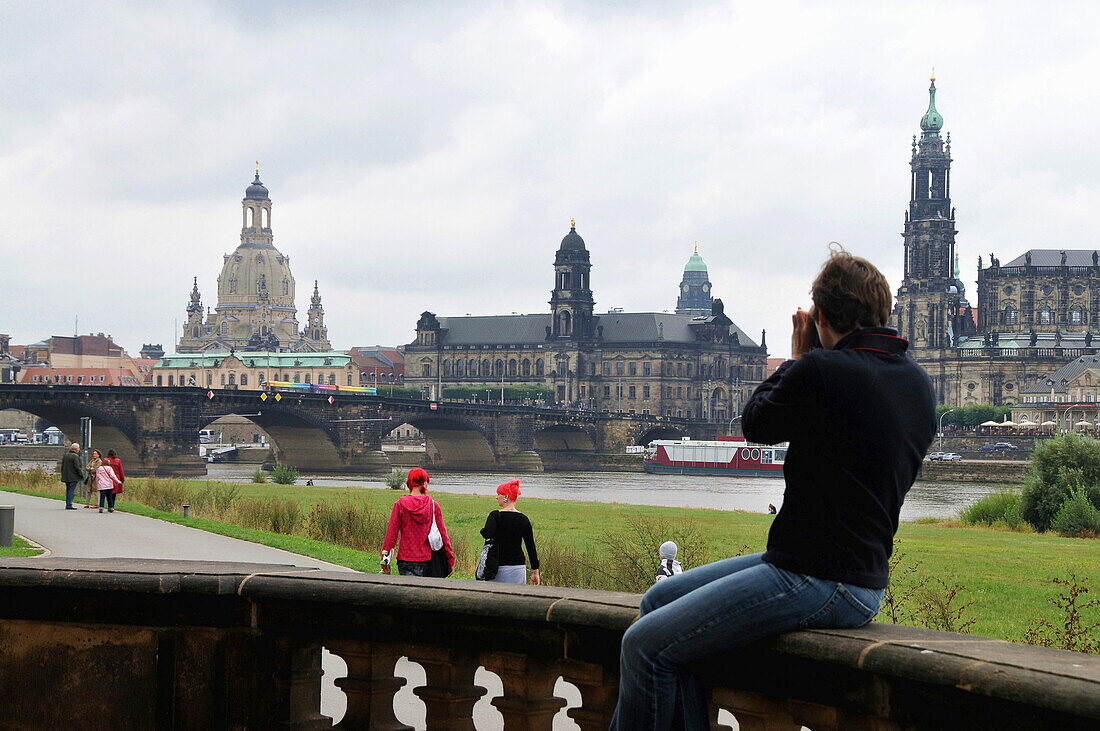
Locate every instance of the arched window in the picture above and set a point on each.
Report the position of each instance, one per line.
(223, 379)
(512, 366)
(349, 379)
(446, 368)
(332, 379)
(498, 368)
(195, 333)
(472, 367)
(232, 286)
(485, 369)
(298, 377)
(265, 216)
(169, 380)
(232, 379)
(244, 379)
(526, 366)
(460, 368)
(1045, 316)
(1075, 315)
(286, 286)
(1012, 316)
(539, 367)
(565, 323)
(309, 378)
(248, 217)
(225, 327)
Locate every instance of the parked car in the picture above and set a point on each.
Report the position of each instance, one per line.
(951, 457)
(935, 456)
(998, 447)
(1006, 446)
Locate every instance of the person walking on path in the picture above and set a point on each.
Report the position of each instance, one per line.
(411, 519)
(72, 473)
(89, 480)
(106, 480)
(859, 415)
(116, 465)
(507, 527)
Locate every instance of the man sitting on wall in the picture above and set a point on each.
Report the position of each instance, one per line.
(859, 414)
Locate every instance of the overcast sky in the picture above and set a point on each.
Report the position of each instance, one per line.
(429, 155)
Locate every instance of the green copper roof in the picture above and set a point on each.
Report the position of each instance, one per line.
(265, 359)
(932, 122)
(695, 263)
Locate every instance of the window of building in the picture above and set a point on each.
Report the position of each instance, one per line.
(309, 377)
(687, 370)
(1011, 315)
(244, 379)
(426, 368)
(679, 369)
(232, 379)
(607, 391)
(298, 377)
(632, 368)
(498, 367)
(582, 393)
(619, 392)
(679, 392)
(633, 392)
(512, 367)
(209, 380)
(225, 328)
(539, 367)
(349, 379)
(232, 286)
(1075, 316)
(79, 380)
(223, 379)
(1045, 316)
(645, 392)
(526, 367)
(645, 368)
(158, 380)
(606, 368)
(460, 367)
(332, 379)
(619, 368)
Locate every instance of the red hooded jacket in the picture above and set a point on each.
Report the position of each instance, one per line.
(412, 518)
(116, 465)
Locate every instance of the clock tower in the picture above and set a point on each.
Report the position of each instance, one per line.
(695, 297)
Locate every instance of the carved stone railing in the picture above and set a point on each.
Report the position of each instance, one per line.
(159, 644)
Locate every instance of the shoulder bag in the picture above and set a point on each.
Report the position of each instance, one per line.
(440, 568)
(489, 562)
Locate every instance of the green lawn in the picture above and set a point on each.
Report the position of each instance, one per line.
(21, 548)
(1006, 575)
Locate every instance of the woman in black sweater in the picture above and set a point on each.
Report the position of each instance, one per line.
(507, 527)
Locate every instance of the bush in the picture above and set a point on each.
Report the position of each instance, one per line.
(259, 476)
(626, 559)
(1058, 466)
(1076, 633)
(999, 508)
(1078, 517)
(355, 526)
(214, 501)
(284, 474)
(396, 479)
(278, 515)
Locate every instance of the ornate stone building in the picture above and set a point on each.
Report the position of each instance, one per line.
(1033, 314)
(695, 296)
(679, 364)
(256, 309)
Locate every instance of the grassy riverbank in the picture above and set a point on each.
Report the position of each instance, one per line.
(1005, 577)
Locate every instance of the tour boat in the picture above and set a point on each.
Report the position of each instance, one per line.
(728, 456)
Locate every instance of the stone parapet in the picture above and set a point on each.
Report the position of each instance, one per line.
(196, 644)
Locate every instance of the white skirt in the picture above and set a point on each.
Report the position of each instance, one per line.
(516, 574)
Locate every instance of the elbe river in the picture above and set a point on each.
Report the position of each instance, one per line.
(752, 494)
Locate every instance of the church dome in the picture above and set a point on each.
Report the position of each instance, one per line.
(256, 191)
(252, 273)
(572, 240)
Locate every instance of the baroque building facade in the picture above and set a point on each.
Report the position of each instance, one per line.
(255, 310)
(1033, 314)
(695, 363)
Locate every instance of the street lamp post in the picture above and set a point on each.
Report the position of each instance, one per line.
(729, 429)
(1065, 417)
(939, 431)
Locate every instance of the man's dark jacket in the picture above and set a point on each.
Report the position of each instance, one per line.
(71, 469)
(859, 419)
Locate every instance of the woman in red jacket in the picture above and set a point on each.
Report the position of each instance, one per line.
(412, 519)
(116, 465)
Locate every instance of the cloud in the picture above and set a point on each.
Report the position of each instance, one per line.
(430, 156)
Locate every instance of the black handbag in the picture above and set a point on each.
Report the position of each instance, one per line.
(489, 562)
(439, 567)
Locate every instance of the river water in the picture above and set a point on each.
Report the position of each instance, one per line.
(752, 494)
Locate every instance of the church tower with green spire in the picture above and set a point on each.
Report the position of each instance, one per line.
(929, 298)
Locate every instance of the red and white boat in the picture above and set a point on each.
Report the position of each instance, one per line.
(728, 456)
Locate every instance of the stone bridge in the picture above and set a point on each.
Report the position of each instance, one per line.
(155, 430)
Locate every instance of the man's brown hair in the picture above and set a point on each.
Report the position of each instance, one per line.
(851, 292)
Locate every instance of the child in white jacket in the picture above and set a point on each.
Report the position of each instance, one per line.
(669, 566)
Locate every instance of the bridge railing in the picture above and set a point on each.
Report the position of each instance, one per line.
(142, 644)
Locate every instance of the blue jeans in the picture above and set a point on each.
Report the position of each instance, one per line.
(70, 493)
(714, 609)
(413, 568)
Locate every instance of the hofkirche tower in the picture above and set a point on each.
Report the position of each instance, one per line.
(255, 309)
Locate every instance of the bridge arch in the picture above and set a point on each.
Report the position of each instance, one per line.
(565, 437)
(659, 432)
(297, 438)
(461, 444)
(110, 430)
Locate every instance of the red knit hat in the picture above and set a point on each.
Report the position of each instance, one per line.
(509, 490)
(417, 478)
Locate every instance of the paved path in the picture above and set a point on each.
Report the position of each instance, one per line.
(87, 533)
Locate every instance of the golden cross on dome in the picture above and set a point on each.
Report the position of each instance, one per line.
(573, 222)
(257, 167)
(933, 74)
(696, 247)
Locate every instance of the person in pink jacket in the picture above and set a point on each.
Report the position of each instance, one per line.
(412, 519)
(106, 480)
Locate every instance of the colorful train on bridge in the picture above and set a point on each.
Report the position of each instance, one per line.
(274, 386)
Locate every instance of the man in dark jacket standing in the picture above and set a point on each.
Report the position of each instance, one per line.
(72, 473)
(859, 415)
